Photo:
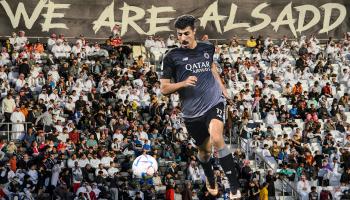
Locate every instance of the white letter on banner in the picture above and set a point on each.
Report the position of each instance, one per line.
(328, 7)
(256, 14)
(286, 12)
(106, 18)
(211, 14)
(230, 22)
(47, 25)
(14, 18)
(302, 12)
(140, 13)
(154, 20)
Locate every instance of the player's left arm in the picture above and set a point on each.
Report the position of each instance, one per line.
(216, 75)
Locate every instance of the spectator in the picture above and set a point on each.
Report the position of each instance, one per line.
(263, 194)
(303, 187)
(170, 192)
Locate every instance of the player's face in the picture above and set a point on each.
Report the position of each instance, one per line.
(186, 37)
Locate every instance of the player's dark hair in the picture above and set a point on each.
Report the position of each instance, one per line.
(184, 21)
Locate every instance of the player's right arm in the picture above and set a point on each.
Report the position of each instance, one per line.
(169, 73)
(166, 87)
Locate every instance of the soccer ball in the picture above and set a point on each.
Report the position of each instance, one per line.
(144, 165)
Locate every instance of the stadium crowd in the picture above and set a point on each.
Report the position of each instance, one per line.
(81, 112)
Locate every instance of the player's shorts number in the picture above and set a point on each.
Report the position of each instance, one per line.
(219, 112)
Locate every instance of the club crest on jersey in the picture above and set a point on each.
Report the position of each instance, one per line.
(206, 55)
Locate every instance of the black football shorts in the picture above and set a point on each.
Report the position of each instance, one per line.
(198, 128)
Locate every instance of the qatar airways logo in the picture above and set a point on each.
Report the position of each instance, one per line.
(198, 67)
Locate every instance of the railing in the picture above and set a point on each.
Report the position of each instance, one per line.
(294, 193)
(244, 145)
(8, 130)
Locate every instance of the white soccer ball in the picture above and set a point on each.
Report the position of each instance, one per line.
(144, 165)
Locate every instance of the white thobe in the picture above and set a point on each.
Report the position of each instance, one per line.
(304, 188)
(18, 129)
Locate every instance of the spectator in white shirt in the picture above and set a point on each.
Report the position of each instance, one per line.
(71, 161)
(100, 168)
(83, 161)
(171, 42)
(112, 170)
(44, 96)
(20, 82)
(51, 41)
(118, 135)
(94, 161)
(58, 50)
(22, 39)
(149, 43)
(106, 160)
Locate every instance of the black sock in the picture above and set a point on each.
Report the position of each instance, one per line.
(229, 166)
(208, 171)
